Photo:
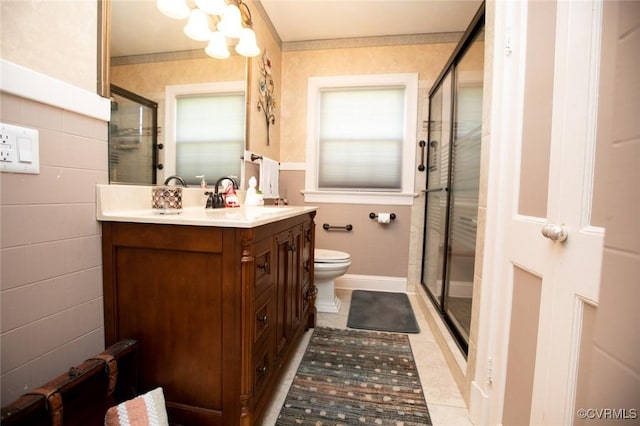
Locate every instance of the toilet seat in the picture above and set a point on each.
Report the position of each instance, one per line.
(330, 256)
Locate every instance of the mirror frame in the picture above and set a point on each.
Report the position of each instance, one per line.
(104, 50)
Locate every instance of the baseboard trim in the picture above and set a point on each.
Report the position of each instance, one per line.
(371, 282)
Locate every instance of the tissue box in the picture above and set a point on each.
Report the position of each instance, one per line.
(166, 199)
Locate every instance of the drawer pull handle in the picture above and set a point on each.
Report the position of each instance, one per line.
(264, 266)
(263, 319)
(293, 248)
(262, 370)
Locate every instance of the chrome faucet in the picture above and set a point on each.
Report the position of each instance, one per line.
(177, 178)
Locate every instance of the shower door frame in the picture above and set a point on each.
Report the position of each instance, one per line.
(474, 28)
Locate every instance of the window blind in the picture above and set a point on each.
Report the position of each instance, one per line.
(210, 134)
(360, 139)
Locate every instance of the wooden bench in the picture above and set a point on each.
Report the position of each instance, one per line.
(83, 394)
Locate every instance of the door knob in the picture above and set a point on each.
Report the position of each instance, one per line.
(555, 232)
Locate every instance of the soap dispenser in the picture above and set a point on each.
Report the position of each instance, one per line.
(203, 181)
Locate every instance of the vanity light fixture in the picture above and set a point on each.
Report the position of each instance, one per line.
(215, 21)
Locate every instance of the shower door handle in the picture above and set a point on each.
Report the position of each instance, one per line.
(556, 233)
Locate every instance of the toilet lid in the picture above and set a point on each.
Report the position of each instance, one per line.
(330, 256)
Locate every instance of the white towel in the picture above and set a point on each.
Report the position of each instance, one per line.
(269, 176)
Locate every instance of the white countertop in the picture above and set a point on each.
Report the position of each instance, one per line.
(132, 203)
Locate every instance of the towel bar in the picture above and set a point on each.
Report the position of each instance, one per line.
(328, 227)
(254, 157)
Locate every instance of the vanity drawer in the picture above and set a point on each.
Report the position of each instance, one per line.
(263, 318)
(262, 367)
(263, 266)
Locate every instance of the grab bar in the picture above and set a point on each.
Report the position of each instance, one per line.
(442, 188)
(421, 167)
(328, 227)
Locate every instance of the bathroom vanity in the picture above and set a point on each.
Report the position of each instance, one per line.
(217, 299)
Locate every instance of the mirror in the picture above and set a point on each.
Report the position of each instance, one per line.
(149, 51)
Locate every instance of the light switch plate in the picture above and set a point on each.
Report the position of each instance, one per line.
(19, 149)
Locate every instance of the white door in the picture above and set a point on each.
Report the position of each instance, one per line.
(569, 270)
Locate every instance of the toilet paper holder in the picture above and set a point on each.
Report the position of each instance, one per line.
(372, 215)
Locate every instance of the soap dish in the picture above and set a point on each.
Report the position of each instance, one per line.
(167, 211)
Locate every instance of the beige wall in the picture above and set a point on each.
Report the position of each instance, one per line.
(380, 250)
(369, 243)
(425, 59)
(150, 79)
(56, 38)
(269, 45)
(609, 373)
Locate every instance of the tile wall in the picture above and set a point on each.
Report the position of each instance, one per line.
(50, 255)
(609, 370)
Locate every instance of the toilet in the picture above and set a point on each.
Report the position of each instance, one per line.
(329, 265)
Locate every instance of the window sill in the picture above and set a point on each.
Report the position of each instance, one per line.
(346, 197)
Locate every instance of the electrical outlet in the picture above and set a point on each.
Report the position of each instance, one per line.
(6, 155)
(19, 149)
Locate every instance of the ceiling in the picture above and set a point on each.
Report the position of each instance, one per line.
(139, 28)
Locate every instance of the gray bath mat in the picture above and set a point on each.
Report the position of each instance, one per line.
(383, 311)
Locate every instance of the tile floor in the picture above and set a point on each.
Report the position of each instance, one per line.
(445, 403)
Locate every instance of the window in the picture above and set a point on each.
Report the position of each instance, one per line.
(361, 139)
(205, 130)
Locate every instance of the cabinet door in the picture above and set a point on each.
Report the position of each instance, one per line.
(281, 263)
(296, 274)
(288, 247)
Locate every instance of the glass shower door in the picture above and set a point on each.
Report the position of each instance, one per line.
(437, 191)
(132, 138)
(465, 179)
(453, 180)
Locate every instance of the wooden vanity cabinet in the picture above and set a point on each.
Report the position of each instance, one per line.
(216, 311)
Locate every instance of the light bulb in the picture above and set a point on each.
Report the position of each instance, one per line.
(176, 9)
(213, 7)
(198, 26)
(217, 47)
(247, 45)
(231, 22)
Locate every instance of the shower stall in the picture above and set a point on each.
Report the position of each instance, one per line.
(133, 138)
(453, 175)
